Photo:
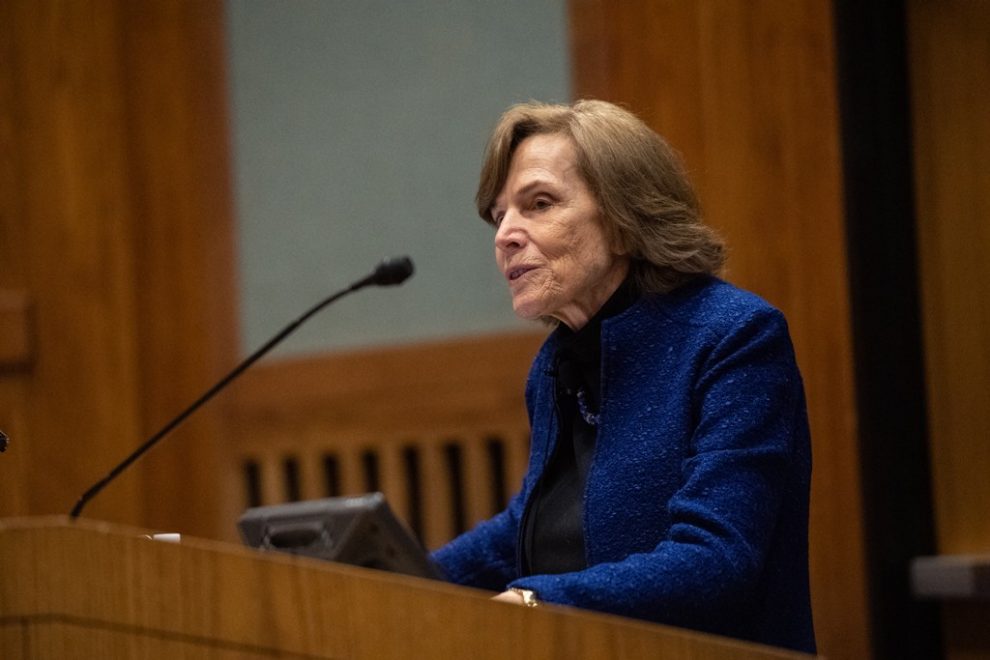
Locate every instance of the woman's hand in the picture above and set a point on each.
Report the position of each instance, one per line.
(510, 596)
(518, 596)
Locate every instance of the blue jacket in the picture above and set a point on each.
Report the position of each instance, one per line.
(696, 505)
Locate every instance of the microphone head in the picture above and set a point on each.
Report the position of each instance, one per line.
(391, 271)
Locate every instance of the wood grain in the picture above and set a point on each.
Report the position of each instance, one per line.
(13, 274)
(16, 332)
(398, 387)
(66, 223)
(181, 194)
(746, 91)
(949, 50)
(89, 590)
(115, 224)
(430, 398)
(950, 44)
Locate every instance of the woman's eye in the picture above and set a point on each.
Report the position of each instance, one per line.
(541, 203)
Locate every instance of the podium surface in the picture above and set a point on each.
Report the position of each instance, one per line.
(85, 589)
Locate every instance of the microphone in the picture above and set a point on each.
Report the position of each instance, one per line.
(392, 271)
(389, 272)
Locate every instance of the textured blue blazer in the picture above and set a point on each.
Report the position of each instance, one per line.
(696, 504)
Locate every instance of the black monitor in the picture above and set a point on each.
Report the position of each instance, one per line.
(359, 530)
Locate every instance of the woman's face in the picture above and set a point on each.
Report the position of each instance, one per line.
(550, 243)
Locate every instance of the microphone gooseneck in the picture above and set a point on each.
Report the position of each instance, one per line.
(391, 271)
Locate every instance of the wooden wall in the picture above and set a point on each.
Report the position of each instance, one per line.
(949, 59)
(439, 427)
(747, 92)
(115, 243)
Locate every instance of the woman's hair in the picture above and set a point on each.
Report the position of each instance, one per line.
(648, 207)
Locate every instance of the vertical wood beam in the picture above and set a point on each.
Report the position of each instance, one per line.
(177, 137)
(66, 225)
(949, 54)
(115, 220)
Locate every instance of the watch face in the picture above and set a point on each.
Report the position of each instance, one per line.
(528, 596)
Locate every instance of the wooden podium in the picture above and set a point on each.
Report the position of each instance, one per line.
(92, 590)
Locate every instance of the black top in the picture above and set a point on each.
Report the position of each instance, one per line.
(553, 540)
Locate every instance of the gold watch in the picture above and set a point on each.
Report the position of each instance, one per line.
(528, 596)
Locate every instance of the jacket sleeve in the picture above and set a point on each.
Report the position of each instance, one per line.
(742, 460)
(484, 557)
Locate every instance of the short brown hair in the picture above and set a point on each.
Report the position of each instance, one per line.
(648, 206)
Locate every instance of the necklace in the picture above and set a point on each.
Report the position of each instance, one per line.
(590, 418)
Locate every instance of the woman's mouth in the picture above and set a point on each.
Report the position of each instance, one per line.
(516, 273)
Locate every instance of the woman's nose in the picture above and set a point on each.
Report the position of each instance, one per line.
(510, 235)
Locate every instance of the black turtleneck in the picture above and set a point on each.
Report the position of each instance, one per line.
(553, 538)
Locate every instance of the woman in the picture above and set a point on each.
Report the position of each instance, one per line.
(670, 462)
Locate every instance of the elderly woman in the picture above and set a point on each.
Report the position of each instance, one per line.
(670, 463)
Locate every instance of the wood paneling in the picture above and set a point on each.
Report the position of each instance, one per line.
(118, 595)
(115, 223)
(949, 57)
(67, 227)
(16, 333)
(181, 196)
(746, 91)
(409, 409)
(394, 388)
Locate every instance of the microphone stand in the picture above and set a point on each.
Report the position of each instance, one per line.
(389, 272)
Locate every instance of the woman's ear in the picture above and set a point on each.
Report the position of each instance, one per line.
(618, 244)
